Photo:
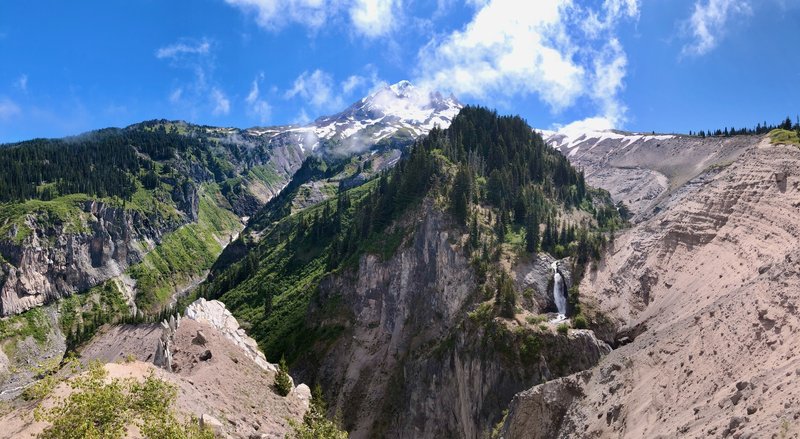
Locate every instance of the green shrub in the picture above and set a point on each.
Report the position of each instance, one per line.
(563, 328)
(104, 409)
(579, 322)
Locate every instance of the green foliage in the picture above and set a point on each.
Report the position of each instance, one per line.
(315, 425)
(481, 314)
(461, 194)
(47, 380)
(783, 136)
(562, 328)
(579, 322)
(283, 382)
(499, 426)
(506, 297)
(32, 323)
(81, 315)
(536, 319)
(101, 408)
(183, 254)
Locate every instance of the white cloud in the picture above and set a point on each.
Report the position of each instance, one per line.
(374, 18)
(317, 88)
(257, 107)
(197, 91)
(22, 82)
(371, 18)
(353, 82)
(178, 49)
(8, 109)
(275, 14)
(575, 129)
(221, 103)
(548, 50)
(707, 25)
(361, 84)
(176, 95)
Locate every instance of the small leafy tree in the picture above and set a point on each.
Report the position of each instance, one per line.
(283, 382)
(98, 408)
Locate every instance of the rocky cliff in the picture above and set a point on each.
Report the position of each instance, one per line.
(641, 170)
(711, 282)
(53, 258)
(418, 355)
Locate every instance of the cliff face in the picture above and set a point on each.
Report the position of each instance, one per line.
(415, 359)
(642, 170)
(57, 259)
(711, 282)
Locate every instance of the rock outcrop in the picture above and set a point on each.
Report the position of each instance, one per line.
(229, 392)
(214, 313)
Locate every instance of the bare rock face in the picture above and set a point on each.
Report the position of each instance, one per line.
(642, 169)
(714, 278)
(538, 413)
(56, 259)
(215, 314)
(410, 362)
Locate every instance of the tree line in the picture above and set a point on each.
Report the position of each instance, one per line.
(760, 128)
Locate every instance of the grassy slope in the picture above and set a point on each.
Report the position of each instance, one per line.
(293, 274)
(186, 253)
(784, 137)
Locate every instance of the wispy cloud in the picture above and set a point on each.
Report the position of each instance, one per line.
(708, 23)
(200, 92)
(8, 109)
(175, 50)
(558, 50)
(222, 105)
(370, 18)
(258, 107)
(317, 89)
(22, 82)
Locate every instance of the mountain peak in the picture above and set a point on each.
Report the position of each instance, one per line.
(402, 88)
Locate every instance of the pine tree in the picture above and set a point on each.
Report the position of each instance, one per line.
(532, 234)
(506, 298)
(283, 382)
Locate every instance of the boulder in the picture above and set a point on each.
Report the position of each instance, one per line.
(212, 423)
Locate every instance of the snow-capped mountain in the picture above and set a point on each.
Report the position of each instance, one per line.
(393, 115)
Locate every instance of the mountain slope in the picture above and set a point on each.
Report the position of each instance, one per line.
(640, 170)
(707, 289)
(422, 270)
(135, 217)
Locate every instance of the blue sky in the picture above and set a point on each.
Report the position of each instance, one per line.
(647, 65)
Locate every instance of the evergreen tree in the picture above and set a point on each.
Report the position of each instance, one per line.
(505, 298)
(283, 382)
(532, 234)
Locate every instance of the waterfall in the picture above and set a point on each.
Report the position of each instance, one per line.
(558, 292)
